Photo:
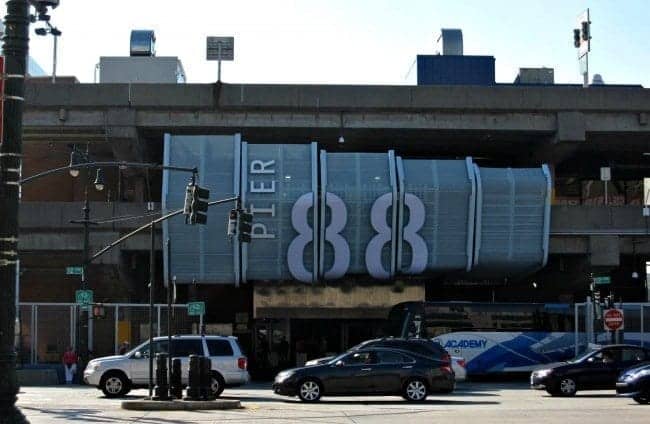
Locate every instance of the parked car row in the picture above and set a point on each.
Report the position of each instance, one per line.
(625, 368)
(412, 368)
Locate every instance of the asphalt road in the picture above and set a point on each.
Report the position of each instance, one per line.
(472, 403)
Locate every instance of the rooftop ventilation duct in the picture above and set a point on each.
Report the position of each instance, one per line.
(450, 42)
(143, 42)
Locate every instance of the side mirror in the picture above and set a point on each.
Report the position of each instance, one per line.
(592, 359)
(137, 355)
(339, 363)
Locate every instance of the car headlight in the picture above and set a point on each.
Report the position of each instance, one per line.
(91, 368)
(283, 375)
(543, 373)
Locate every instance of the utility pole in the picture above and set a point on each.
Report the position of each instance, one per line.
(84, 315)
(15, 50)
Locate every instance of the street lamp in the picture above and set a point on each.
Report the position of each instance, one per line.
(49, 29)
(99, 180)
(75, 160)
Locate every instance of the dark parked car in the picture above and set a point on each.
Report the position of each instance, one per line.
(635, 382)
(368, 371)
(424, 347)
(595, 370)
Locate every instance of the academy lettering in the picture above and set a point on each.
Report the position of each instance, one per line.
(466, 343)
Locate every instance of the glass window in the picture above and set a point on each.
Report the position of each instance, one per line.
(187, 347)
(360, 358)
(386, 357)
(607, 356)
(219, 347)
(632, 355)
(160, 346)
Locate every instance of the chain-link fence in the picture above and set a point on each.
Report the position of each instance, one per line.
(45, 330)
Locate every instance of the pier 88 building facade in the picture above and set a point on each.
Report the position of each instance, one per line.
(363, 197)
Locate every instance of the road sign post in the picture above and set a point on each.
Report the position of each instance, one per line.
(84, 297)
(195, 308)
(220, 48)
(613, 319)
(599, 281)
(73, 270)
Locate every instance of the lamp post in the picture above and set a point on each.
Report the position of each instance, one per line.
(15, 50)
(49, 29)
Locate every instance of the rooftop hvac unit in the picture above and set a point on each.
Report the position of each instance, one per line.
(143, 42)
(450, 42)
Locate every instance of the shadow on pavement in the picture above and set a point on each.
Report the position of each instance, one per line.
(92, 416)
(324, 401)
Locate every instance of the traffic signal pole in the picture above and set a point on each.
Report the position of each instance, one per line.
(15, 50)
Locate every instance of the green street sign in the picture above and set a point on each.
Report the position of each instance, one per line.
(195, 308)
(602, 280)
(84, 297)
(74, 270)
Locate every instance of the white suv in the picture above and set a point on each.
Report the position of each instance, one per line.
(117, 375)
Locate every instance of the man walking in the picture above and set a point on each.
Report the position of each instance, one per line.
(70, 364)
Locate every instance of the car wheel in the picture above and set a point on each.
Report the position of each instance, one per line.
(217, 384)
(114, 384)
(309, 390)
(415, 390)
(643, 398)
(567, 387)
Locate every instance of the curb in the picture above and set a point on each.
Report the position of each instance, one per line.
(179, 405)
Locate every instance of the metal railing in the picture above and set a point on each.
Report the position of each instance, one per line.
(46, 329)
(589, 327)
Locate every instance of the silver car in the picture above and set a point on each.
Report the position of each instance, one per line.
(117, 375)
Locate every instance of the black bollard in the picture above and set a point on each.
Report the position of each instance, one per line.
(161, 391)
(194, 379)
(206, 379)
(176, 389)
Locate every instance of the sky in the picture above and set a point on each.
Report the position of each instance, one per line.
(352, 41)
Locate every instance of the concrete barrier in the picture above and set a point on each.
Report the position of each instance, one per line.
(180, 405)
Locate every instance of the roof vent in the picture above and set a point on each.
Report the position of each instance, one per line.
(143, 42)
(597, 80)
(450, 42)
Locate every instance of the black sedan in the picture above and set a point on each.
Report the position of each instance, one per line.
(595, 370)
(635, 383)
(375, 371)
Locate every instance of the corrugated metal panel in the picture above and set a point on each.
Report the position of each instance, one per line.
(278, 187)
(202, 252)
(437, 215)
(455, 70)
(512, 219)
(359, 190)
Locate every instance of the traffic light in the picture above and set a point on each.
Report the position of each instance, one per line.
(99, 312)
(576, 38)
(188, 200)
(585, 30)
(196, 204)
(245, 226)
(232, 223)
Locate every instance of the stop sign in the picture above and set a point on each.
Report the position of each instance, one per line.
(613, 319)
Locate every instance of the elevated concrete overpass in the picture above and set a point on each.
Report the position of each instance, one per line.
(524, 124)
